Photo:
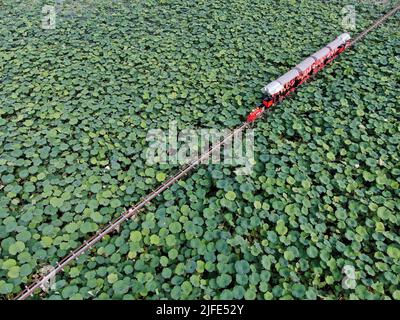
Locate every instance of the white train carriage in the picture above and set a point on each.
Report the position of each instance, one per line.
(305, 67)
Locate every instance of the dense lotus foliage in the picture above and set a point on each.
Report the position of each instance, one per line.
(77, 103)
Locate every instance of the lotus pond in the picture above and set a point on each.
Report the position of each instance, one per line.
(77, 103)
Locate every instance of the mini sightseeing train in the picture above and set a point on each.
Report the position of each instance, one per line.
(280, 88)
